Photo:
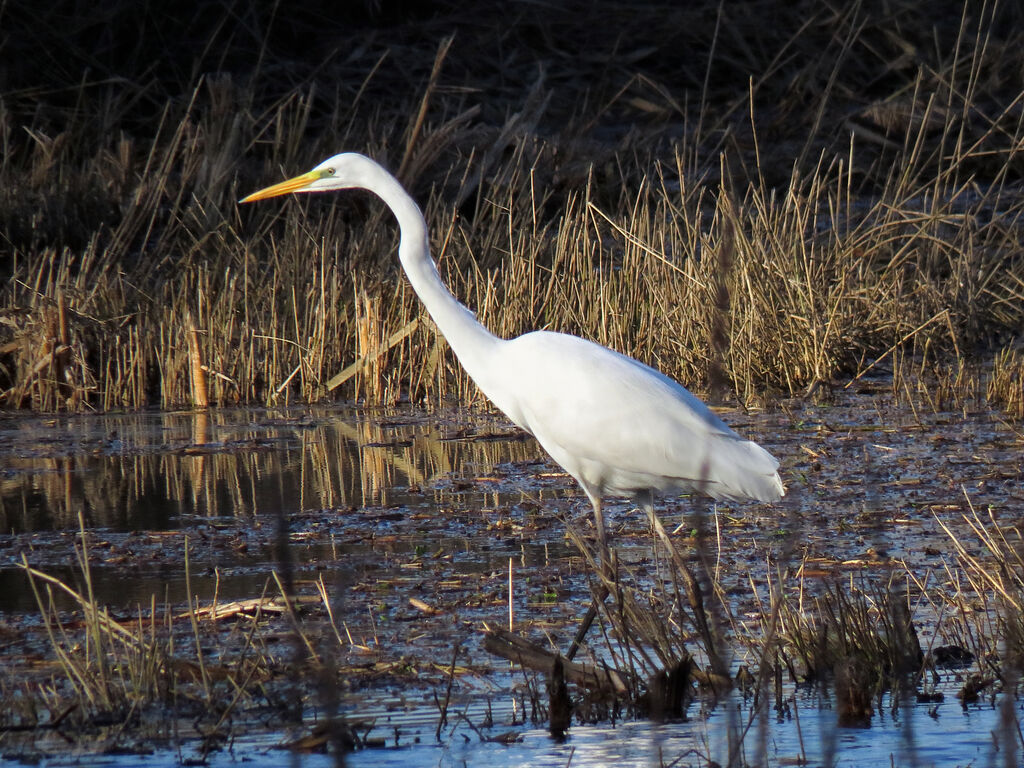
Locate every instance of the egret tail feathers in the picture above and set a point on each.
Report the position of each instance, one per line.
(743, 470)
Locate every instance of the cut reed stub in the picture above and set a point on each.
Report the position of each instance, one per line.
(559, 704)
(856, 682)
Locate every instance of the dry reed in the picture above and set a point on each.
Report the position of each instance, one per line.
(890, 231)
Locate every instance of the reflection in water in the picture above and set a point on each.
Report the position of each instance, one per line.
(147, 471)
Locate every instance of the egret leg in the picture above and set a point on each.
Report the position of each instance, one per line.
(602, 537)
(604, 563)
(646, 502)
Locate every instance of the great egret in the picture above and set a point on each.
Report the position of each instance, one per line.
(616, 425)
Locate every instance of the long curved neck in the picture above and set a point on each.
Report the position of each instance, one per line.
(472, 343)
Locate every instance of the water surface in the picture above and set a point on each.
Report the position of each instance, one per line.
(384, 506)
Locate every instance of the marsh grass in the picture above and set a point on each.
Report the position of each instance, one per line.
(859, 173)
(209, 665)
(990, 597)
(111, 671)
(872, 641)
(888, 235)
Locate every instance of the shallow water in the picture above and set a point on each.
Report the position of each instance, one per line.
(952, 736)
(388, 505)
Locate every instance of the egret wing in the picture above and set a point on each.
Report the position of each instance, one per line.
(625, 426)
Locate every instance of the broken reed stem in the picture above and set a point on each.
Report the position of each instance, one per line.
(62, 354)
(200, 396)
(421, 114)
(443, 719)
(707, 632)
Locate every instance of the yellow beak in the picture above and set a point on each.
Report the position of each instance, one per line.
(284, 187)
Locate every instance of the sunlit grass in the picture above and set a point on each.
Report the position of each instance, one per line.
(851, 253)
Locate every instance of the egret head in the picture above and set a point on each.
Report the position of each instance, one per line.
(344, 171)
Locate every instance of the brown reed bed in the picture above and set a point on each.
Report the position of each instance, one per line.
(573, 181)
(107, 680)
(879, 638)
(869, 636)
(870, 641)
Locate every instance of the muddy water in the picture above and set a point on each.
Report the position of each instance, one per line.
(384, 506)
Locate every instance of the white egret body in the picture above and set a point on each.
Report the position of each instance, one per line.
(616, 425)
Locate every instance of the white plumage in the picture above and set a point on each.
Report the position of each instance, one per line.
(616, 425)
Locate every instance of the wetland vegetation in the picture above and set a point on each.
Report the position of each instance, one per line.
(849, 177)
(808, 213)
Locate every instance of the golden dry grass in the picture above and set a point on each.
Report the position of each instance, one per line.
(863, 179)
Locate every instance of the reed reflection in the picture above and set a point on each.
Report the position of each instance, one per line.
(151, 471)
